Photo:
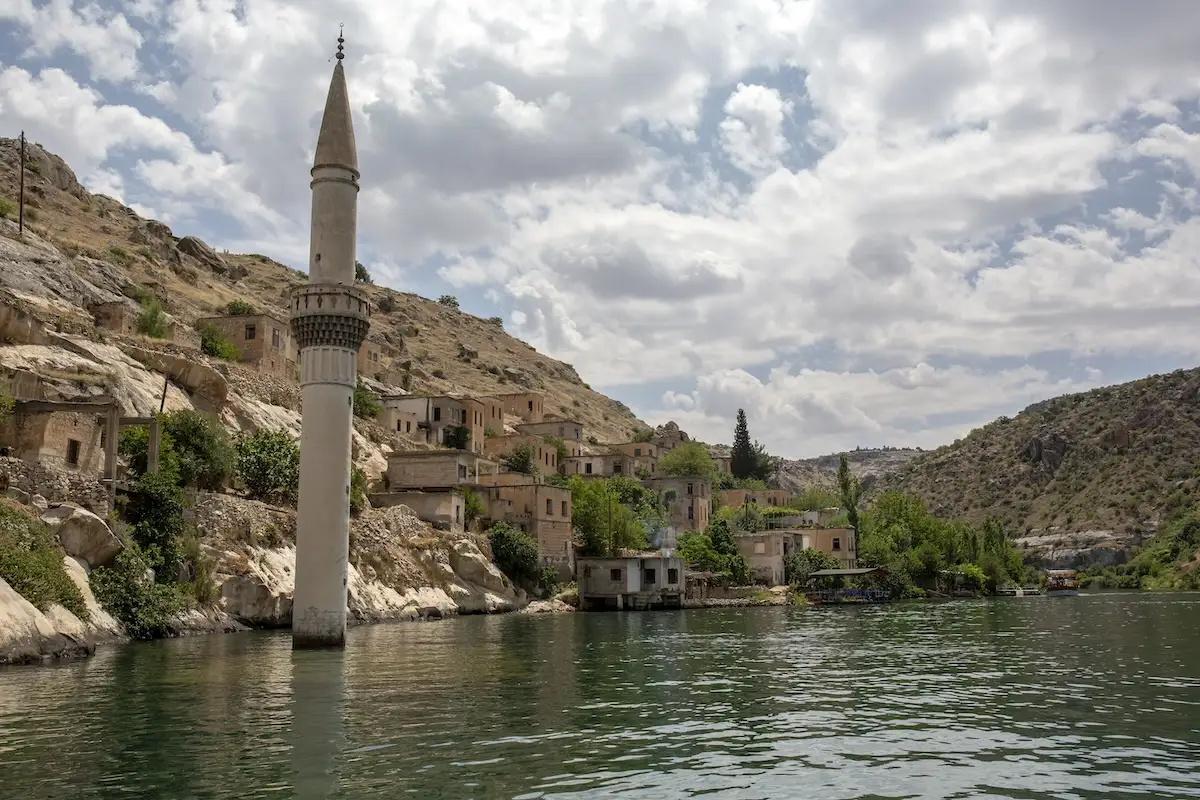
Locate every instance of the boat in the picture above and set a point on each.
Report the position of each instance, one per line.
(1018, 591)
(1062, 583)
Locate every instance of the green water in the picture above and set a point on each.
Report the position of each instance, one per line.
(1095, 696)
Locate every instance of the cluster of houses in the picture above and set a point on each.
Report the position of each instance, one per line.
(475, 435)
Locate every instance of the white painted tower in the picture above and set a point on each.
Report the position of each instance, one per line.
(329, 320)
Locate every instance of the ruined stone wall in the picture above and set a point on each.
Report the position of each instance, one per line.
(57, 485)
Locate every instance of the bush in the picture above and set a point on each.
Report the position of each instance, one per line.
(456, 437)
(802, 563)
(521, 459)
(559, 446)
(366, 402)
(202, 449)
(358, 490)
(144, 607)
(449, 301)
(213, 343)
(268, 465)
(32, 563)
(643, 435)
(497, 321)
(386, 304)
(8, 209)
(238, 308)
(361, 275)
(515, 553)
(152, 321)
(473, 507)
(155, 511)
(688, 459)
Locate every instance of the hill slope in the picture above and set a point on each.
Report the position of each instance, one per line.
(1080, 478)
(90, 248)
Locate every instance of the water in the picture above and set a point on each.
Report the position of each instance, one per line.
(1095, 696)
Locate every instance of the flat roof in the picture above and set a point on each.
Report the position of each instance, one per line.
(822, 573)
(432, 453)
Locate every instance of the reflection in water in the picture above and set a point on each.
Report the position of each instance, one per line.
(1095, 696)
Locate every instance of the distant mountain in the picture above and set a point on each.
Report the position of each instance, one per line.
(868, 464)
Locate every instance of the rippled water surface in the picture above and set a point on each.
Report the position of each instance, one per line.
(1094, 696)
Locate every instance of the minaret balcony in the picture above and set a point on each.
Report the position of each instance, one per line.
(330, 315)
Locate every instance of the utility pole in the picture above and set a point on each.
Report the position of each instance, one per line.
(21, 195)
(163, 402)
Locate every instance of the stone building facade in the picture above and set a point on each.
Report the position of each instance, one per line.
(545, 455)
(544, 512)
(438, 469)
(529, 406)
(604, 465)
(262, 340)
(64, 440)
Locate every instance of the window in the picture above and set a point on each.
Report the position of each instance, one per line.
(437, 413)
(457, 513)
(614, 574)
(549, 507)
(648, 576)
(251, 332)
(837, 543)
(462, 470)
(560, 430)
(691, 512)
(73, 447)
(637, 452)
(760, 548)
(564, 509)
(617, 468)
(689, 488)
(408, 427)
(672, 576)
(399, 425)
(275, 337)
(588, 468)
(531, 405)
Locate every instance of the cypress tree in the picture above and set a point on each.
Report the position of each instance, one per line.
(743, 461)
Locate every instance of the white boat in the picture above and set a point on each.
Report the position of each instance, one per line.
(1062, 583)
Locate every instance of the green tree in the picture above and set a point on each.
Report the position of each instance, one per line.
(851, 492)
(449, 301)
(213, 343)
(521, 459)
(515, 553)
(201, 447)
(742, 462)
(457, 437)
(815, 498)
(603, 525)
(366, 402)
(643, 435)
(714, 550)
(358, 490)
(560, 447)
(473, 507)
(152, 320)
(268, 465)
(155, 511)
(802, 563)
(361, 275)
(688, 459)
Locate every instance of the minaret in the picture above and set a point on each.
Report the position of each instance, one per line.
(330, 318)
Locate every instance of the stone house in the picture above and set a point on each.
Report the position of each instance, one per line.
(437, 415)
(444, 510)
(766, 552)
(568, 430)
(687, 500)
(435, 470)
(644, 454)
(603, 465)
(544, 512)
(529, 406)
(263, 340)
(405, 423)
(120, 316)
(668, 437)
(370, 360)
(645, 580)
(724, 463)
(765, 497)
(69, 440)
(545, 455)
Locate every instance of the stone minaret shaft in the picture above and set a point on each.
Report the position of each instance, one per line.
(329, 320)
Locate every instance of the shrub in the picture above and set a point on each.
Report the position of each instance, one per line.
(497, 321)
(449, 301)
(559, 446)
(473, 507)
(31, 214)
(119, 255)
(238, 308)
(8, 209)
(457, 437)
(515, 553)
(386, 304)
(361, 275)
(194, 448)
(521, 459)
(439, 373)
(152, 321)
(7, 403)
(688, 459)
(366, 402)
(358, 490)
(32, 563)
(155, 511)
(213, 343)
(642, 435)
(802, 563)
(268, 465)
(127, 592)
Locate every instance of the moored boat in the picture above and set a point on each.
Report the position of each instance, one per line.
(1062, 583)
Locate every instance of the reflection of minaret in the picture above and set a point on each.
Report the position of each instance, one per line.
(330, 318)
(318, 729)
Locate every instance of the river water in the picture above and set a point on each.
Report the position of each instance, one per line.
(1094, 696)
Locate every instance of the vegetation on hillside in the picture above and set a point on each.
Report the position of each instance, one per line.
(213, 343)
(715, 550)
(520, 459)
(516, 554)
(31, 561)
(691, 458)
(366, 402)
(1170, 560)
(609, 515)
(268, 466)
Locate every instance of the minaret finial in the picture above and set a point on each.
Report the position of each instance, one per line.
(341, 41)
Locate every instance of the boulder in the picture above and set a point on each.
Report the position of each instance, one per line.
(27, 636)
(191, 246)
(198, 379)
(101, 625)
(39, 502)
(83, 534)
(20, 495)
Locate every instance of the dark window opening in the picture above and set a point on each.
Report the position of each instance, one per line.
(437, 414)
(614, 574)
(672, 576)
(251, 332)
(73, 447)
(691, 511)
(648, 576)
(274, 337)
(689, 488)
(587, 468)
(564, 508)
(549, 507)
(837, 543)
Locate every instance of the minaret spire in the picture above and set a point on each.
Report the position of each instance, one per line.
(330, 319)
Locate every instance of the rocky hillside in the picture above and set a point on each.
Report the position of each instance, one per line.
(87, 248)
(868, 464)
(1081, 478)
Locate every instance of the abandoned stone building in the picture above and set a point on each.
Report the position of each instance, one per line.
(566, 429)
(437, 416)
(544, 512)
(69, 440)
(435, 470)
(119, 316)
(264, 341)
(644, 454)
(545, 455)
(529, 406)
(445, 510)
(687, 499)
(603, 465)
(763, 497)
(370, 361)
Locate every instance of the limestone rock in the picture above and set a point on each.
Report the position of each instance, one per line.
(83, 534)
(547, 607)
(199, 379)
(1046, 451)
(101, 625)
(191, 246)
(39, 502)
(19, 495)
(28, 636)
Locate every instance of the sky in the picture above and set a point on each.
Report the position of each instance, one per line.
(866, 222)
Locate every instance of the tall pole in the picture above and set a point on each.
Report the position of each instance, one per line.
(21, 194)
(163, 402)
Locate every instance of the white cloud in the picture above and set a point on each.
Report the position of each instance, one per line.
(687, 192)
